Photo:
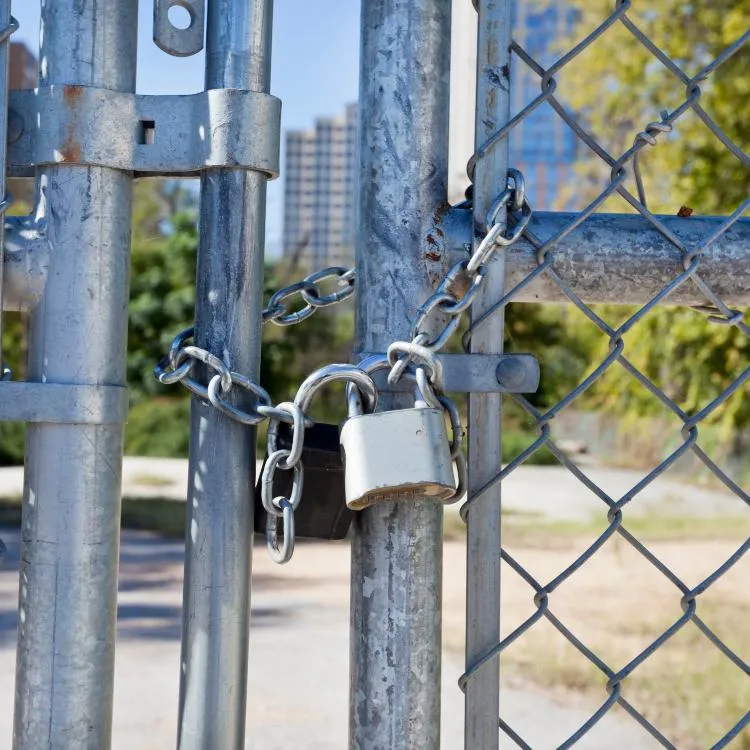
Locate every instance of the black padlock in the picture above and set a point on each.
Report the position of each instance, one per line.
(322, 512)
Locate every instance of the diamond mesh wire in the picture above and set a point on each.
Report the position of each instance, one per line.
(721, 314)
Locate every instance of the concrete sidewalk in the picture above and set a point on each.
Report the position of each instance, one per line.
(298, 678)
(550, 491)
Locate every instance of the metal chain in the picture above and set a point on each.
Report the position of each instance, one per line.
(280, 509)
(178, 365)
(424, 346)
(445, 301)
(309, 290)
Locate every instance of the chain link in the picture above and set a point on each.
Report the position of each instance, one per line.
(309, 290)
(423, 347)
(445, 302)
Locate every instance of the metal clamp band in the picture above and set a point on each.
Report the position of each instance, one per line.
(154, 135)
(60, 403)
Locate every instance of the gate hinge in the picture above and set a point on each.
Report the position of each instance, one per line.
(149, 135)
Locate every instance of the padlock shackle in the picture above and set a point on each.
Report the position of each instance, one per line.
(332, 373)
(375, 363)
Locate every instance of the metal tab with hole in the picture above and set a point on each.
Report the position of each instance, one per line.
(475, 373)
(156, 135)
(169, 37)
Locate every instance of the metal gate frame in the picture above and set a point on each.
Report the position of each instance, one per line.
(86, 135)
(86, 155)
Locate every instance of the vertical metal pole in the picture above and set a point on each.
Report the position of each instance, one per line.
(4, 83)
(485, 456)
(397, 548)
(71, 505)
(219, 534)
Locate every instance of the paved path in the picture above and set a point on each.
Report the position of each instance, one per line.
(298, 663)
(551, 491)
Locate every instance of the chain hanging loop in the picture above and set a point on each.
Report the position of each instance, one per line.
(444, 301)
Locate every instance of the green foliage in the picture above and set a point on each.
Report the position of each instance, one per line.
(161, 299)
(159, 426)
(618, 87)
(692, 360)
(563, 348)
(161, 304)
(162, 294)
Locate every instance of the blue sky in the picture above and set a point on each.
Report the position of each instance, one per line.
(315, 67)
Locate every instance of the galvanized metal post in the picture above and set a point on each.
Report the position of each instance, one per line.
(219, 534)
(485, 455)
(71, 505)
(396, 579)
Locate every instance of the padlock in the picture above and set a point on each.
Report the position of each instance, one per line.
(322, 512)
(396, 455)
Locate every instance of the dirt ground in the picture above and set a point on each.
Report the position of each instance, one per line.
(617, 604)
(298, 675)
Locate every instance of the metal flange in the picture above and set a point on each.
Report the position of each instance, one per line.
(148, 135)
(60, 403)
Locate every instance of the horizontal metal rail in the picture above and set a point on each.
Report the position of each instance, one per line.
(620, 257)
(609, 257)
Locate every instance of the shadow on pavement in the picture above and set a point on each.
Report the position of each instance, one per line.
(150, 589)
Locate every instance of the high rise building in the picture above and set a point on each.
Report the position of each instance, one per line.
(319, 191)
(23, 67)
(23, 75)
(543, 147)
(321, 164)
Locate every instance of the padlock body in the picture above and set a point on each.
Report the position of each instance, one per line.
(322, 512)
(397, 455)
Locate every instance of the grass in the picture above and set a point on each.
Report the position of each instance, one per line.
(157, 514)
(533, 530)
(617, 604)
(152, 480)
(688, 689)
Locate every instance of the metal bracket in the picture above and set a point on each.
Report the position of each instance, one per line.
(60, 403)
(172, 39)
(476, 373)
(148, 135)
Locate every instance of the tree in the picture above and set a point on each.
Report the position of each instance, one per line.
(162, 301)
(617, 87)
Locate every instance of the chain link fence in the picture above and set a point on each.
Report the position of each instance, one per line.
(688, 259)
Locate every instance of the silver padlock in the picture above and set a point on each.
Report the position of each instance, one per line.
(396, 455)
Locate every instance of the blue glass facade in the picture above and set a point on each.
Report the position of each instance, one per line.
(543, 147)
